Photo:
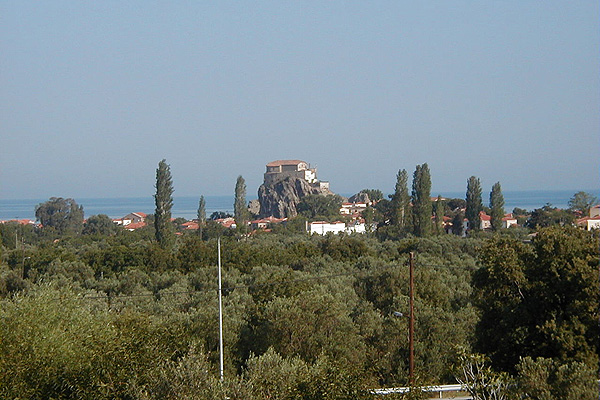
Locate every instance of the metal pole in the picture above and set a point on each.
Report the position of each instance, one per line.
(411, 326)
(220, 312)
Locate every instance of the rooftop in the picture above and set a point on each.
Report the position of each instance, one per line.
(278, 163)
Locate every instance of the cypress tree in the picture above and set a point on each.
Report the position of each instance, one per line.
(457, 223)
(201, 215)
(496, 206)
(163, 199)
(440, 210)
(400, 200)
(421, 200)
(474, 202)
(240, 209)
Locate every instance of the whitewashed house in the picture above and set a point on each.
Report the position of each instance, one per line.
(323, 228)
(509, 220)
(592, 221)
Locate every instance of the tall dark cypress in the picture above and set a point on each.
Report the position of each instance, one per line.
(474, 202)
(201, 215)
(163, 199)
(400, 201)
(496, 206)
(421, 200)
(440, 210)
(240, 208)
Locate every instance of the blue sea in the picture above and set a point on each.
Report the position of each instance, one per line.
(186, 207)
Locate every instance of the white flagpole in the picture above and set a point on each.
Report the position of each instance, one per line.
(220, 313)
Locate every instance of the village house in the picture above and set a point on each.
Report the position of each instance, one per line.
(592, 221)
(266, 223)
(485, 221)
(323, 228)
(509, 220)
(190, 225)
(228, 222)
(352, 208)
(131, 218)
(19, 221)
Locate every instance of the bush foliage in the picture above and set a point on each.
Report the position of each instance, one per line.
(114, 315)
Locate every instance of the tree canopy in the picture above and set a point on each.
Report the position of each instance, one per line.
(320, 207)
(63, 216)
(582, 202)
(539, 300)
(100, 224)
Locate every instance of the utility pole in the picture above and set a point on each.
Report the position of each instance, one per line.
(220, 312)
(411, 325)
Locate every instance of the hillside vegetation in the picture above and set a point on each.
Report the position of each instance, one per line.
(118, 316)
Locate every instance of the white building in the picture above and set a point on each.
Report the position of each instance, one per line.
(592, 221)
(508, 221)
(352, 208)
(323, 228)
(280, 169)
(131, 218)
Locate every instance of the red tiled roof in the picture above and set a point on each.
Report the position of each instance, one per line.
(135, 225)
(268, 220)
(484, 217)
(278, 163)
(19, 221)
(191, 225)
(584, 219)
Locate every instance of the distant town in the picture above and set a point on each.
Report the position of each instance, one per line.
(277, 203)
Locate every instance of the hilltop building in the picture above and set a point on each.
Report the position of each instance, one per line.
(286, 183)
(282, 169)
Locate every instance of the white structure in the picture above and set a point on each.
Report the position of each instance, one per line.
(508, 221)
(281, 169)
(485, 221)
(323, 228)
(131, 218)
(357, 227)
(591, 222)
(352, 208)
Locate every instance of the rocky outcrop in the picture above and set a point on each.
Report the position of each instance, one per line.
(360, 197)
(280, 198)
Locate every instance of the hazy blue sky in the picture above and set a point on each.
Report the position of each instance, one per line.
(94, 94)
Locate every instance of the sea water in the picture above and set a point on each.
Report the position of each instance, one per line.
(187, 206)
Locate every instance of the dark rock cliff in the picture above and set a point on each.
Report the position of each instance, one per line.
(280, 198)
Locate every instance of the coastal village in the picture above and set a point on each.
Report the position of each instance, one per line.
(277, 202)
